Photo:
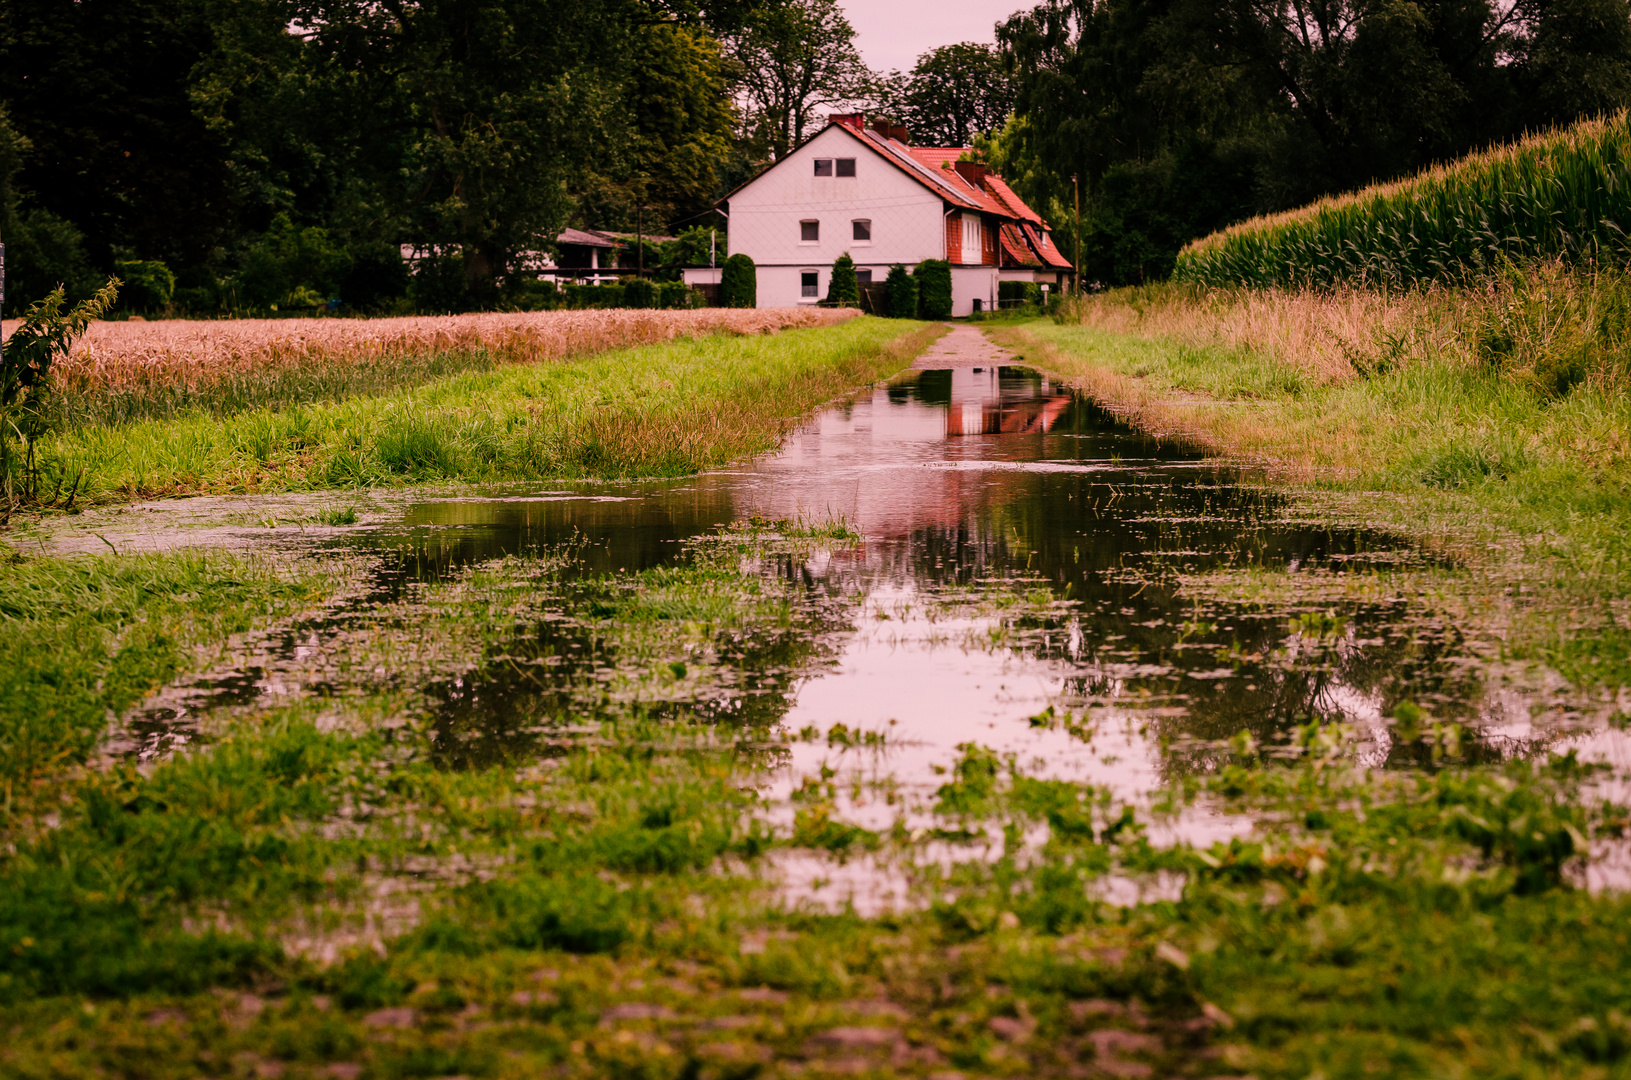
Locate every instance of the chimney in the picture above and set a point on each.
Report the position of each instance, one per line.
(883, 126)
(899, 133)
(972, 171)
(850, 120)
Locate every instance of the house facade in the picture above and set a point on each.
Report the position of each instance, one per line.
(865, 190)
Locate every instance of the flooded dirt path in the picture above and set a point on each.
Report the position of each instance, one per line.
(1022, 582)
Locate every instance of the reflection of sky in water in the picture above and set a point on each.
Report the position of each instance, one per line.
(992, 477)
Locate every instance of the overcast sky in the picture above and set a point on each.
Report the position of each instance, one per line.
(894, 33)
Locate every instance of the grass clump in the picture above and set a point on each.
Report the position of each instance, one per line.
(1558, 195)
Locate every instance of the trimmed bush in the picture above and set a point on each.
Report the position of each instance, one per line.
(739, 283)
(843, 291)
(639, 293)
(1010, 294)
(902, 293)
(933, 288)
(594, 296)
(676, 294)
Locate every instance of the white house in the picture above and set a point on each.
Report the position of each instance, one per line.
(866, 191)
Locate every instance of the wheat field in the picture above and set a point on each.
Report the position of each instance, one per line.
(189, 355)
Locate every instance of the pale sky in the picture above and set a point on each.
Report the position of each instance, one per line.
(894, 33)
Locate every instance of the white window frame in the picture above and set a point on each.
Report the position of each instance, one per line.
(810, 221)
(973, 234)
(862, 222)
(815, 293)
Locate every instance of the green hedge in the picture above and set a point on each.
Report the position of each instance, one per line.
(739, 283)
(933, 288)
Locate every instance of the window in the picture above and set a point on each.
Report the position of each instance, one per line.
(809, 232)
(863, 277)
(972, 238)
(863, 230)
(809, 285)
(1044, 239)
(846, 166)
(823, 166)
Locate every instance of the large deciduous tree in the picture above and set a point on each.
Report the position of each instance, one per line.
(1182, 115)
(794, 60)
(954, 93)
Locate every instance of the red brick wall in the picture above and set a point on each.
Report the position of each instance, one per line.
(954, 238)
(988, 244)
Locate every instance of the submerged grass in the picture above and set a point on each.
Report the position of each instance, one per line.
(321, 892)
(658, 410)
(1493, 423)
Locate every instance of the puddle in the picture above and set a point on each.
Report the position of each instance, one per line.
(968, 486)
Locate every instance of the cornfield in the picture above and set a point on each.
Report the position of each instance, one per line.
(1562, 195)
(122, 371)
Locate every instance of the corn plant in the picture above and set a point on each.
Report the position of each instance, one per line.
(47, 333)
(1563, 195)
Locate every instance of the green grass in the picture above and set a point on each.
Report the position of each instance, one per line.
(1531, 489)
(1556, 195)
(659, 410)
(86, 637)
(600, 911)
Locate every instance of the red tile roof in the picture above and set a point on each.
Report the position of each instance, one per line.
(1016, 249)
(1015, 204)
(1044, 246)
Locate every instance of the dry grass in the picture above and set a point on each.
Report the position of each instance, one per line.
(133, 357)
(1325, 336)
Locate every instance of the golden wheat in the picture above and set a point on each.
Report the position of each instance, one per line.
(124, 356)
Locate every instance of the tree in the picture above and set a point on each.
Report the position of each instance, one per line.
(739, 283)
(954, 93)
(1181, 116)
(792, 60)
(843, 288)
(902, 293)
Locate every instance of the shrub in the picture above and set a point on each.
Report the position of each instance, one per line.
(677, 294)
(902, 293)
(739, 283)
(934, 288)
(148, 285)
(844, 289)
(1010, 293)
(45, 336)
(595, 296)
(639, 293)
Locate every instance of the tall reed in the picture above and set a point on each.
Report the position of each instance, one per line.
(1561, 195)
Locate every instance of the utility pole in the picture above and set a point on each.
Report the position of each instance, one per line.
(1076, 185)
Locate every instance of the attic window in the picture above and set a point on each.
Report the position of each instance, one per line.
(823, 166)
(1044, 239)
(809, 232)
(846, 166)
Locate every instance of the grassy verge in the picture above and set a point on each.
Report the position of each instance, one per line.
(664, 409)
(1436, 415)
(325, 891)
